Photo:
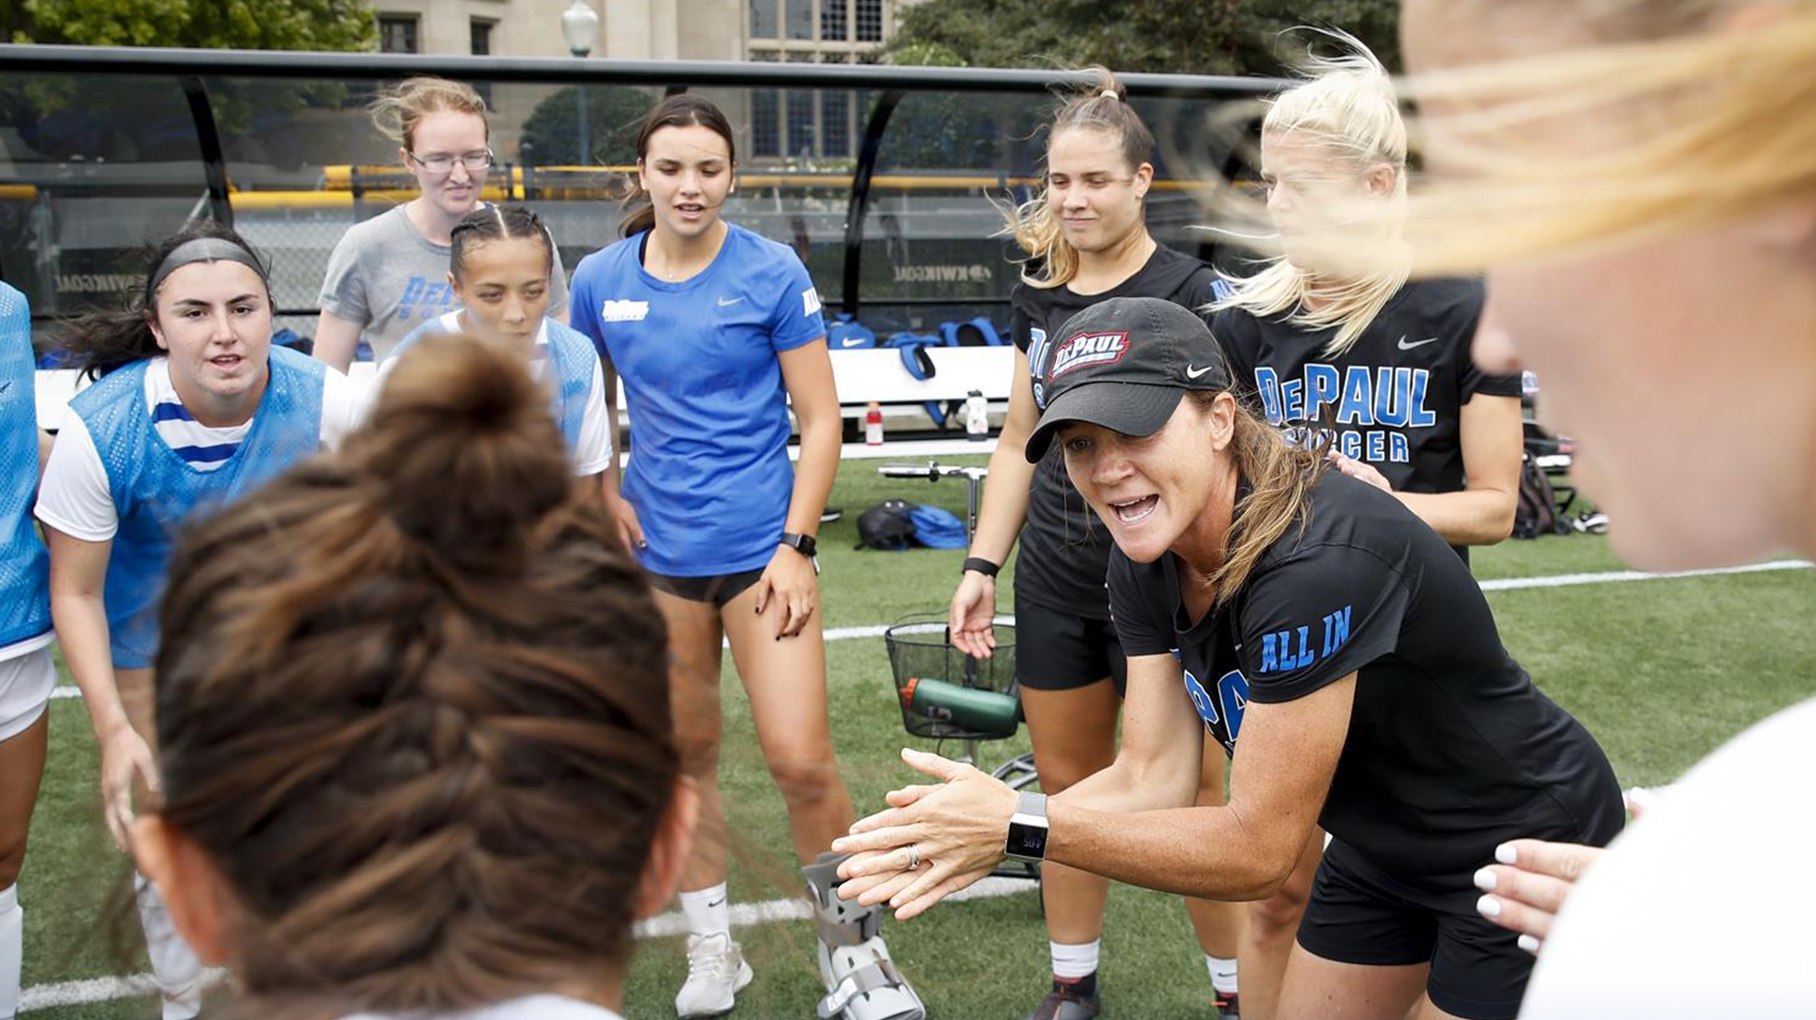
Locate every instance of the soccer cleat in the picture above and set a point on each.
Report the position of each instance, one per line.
(716, 972)
(1227, 1006)
(1065, 1003)
(862, 982)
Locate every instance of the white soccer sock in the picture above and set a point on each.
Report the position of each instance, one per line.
(706, 910)
(1074, 961)
(174, 965)
(1223, 974)
(12, 950)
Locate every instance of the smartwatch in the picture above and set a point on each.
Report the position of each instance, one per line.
(1027, 828)
(803, 544)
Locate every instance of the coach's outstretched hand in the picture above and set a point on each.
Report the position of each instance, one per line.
(932, 841)
(789, 581)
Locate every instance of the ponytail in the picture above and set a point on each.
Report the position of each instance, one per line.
(1101, 104)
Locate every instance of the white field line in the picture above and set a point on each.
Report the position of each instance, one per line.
(107, 989)
(1500, 584)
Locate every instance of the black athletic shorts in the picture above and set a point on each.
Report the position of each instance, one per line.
(717, 589)
(1360, 914)
(1058, 651)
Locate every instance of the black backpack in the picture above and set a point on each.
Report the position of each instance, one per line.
(886, 526)
(1535, 513)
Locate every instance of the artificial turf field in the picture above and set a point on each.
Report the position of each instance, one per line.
(1661, 671)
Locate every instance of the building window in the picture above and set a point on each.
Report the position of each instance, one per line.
(800, 19)
(800, 123)
(763, 23)
(833, 24)
(870, 20)
(765, 114)
(480, 34)
(397, 34)
(835, 123)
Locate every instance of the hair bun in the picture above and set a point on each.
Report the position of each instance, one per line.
(463, 450)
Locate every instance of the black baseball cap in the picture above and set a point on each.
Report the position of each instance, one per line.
(1123, 364)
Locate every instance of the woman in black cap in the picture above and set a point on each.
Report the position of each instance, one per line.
(1249, 578)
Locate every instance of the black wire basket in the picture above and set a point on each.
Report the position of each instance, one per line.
(945, 694)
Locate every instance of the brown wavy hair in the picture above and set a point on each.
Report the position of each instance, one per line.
(1278, 477)
(412, 702)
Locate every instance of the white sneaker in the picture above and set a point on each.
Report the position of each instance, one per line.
(716, 972)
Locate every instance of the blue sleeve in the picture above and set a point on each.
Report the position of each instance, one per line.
(1318, 617)
(797, 320)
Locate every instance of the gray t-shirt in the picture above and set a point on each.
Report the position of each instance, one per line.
(388, 278)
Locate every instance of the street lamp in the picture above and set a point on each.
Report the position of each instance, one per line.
(580, 24)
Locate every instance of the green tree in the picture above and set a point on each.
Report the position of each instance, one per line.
(201, 24)
(614, 116)
(1181, 36)
(127, 119)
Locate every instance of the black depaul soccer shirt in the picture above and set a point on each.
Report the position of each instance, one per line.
(1392, 399)
(1450, 750)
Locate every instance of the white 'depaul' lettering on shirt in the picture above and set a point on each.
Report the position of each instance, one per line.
(624, 311)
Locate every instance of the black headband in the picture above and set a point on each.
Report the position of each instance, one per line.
(201, 249)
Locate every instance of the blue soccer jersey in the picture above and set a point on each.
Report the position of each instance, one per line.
(24, 565)
(709, 474)
(157, 491)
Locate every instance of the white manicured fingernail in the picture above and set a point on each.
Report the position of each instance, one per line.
(1528, 943)
(1484, 879)
(1505, 854)
(1488, 906)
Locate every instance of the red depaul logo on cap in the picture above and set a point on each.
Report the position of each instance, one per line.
(1087, 349)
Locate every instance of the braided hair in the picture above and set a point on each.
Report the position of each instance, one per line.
(412, 703)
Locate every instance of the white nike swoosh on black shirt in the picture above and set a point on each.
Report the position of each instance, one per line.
(1416, 343)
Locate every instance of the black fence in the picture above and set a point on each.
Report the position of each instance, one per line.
(889, 181)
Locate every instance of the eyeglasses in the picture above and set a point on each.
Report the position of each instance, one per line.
(442, 163)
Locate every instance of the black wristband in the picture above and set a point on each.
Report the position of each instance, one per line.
(981, 565)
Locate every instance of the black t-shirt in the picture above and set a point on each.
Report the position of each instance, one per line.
(1393, 399)
(1450, 750)
(1064, 547)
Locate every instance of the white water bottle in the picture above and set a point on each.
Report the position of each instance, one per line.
(977, 416)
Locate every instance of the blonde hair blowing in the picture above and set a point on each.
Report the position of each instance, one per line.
(396, 111)
(1699, 129)
(1350, 110)
(1101, 104)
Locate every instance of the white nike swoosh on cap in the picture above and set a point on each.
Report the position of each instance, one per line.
(1193, 373)
(1416, 343)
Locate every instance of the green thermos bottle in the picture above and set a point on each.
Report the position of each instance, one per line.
(985, 713)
